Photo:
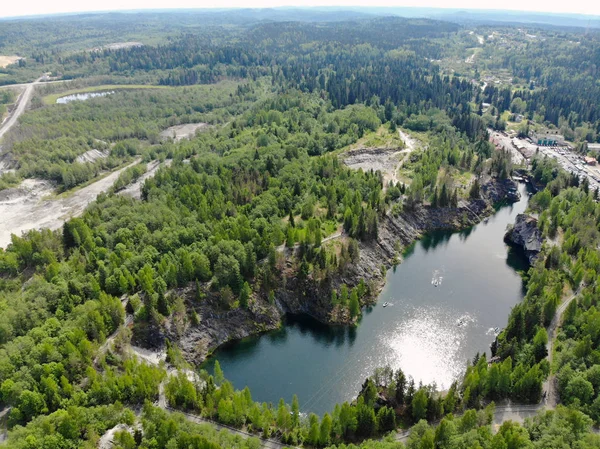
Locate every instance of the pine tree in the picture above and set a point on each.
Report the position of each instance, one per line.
(444, 199)
(245, 295)
(295, 411)
(219, 376)
(344, 295)
(354, 305)
(334, 298)
(454, 200)
(313, 431)
(325, 431)
(474, 192)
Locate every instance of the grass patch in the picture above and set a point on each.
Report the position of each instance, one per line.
(51, 99)
(382, 138)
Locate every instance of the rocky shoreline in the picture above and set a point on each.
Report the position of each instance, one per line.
(402, 231)
(216, 327)
(526, 236)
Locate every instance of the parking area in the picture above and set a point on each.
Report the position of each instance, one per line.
(566, 158)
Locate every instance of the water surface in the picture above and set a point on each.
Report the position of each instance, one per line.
(446, 298)
(82, 96)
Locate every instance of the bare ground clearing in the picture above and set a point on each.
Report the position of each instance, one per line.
(387, 160)
(23, 208)
(91, 156)
(184, 131)
(118, 46)
(8, 60)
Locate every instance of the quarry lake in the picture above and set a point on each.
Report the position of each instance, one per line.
(446, 300)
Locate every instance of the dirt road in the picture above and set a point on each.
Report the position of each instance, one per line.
(134, 190)
(23, 209)
(550, 383)
(510, 412)
(265, 443)
(22, 103)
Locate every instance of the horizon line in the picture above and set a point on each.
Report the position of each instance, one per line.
(324, 8)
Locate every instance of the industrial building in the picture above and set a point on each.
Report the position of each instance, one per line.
(546, 138)
(593, 147)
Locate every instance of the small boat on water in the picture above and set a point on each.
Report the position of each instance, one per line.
(486, 219)
(385, 304)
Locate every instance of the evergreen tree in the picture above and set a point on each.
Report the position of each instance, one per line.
(295, 411)
(245, 293)
(219, 376)
(474, 191)
(354, 305)
(325, 431)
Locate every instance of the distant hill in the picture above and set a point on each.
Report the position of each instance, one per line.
(248, 16)
(475, 16)
(384, 32)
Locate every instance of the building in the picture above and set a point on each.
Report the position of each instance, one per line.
(590, 160)
(524, 147)
(546, 138)
(594, 147)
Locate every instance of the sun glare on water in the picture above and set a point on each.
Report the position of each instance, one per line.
(429, 345)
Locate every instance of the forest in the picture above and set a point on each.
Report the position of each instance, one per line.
(245, 206)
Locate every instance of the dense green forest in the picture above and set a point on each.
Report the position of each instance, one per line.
(242, 211)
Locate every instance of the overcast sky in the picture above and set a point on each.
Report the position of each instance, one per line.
(16, 8)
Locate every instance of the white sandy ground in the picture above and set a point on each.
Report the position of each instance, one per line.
(106, 440)
(8, 60)
(24, 208)
(91, 156)
(180, 132)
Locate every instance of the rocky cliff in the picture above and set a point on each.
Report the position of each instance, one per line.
(305, 296)
(217, 325)
(526, 235)
(395, 233)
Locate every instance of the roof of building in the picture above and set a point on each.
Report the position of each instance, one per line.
(547, 133)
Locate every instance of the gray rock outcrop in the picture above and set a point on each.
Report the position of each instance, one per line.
(526, 235)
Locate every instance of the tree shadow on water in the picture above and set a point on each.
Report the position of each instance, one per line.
(434, 239)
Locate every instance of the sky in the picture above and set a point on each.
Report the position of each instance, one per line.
(34, 7)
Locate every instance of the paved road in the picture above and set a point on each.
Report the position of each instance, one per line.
(40, 81)
(22, 103)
